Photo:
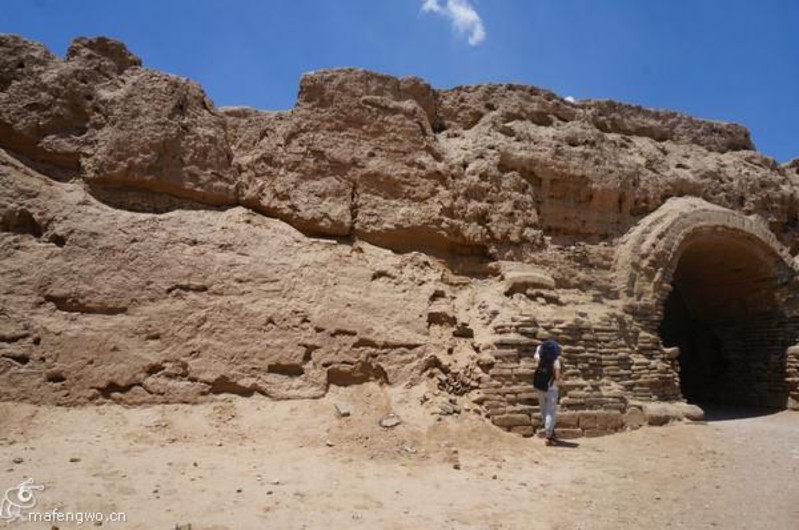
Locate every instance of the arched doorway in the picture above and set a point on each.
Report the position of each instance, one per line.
(724, 314)
(721, 287)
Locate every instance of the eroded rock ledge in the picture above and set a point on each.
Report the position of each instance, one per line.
(487, 169)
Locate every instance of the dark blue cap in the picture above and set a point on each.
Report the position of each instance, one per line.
(550, 350)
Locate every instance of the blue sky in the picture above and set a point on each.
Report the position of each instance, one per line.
(730, 60)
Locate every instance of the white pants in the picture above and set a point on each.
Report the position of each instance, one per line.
(548, 403)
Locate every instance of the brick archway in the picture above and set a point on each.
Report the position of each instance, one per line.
(719, 286)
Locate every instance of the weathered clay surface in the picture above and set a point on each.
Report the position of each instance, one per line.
(157, 249)
(99, 115)
(99, 302)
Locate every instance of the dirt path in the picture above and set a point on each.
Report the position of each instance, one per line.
(740, 473)
(252, 463)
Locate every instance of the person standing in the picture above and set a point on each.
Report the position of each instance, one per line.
(545, 381)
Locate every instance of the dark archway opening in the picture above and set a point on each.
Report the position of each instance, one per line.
(725, 316)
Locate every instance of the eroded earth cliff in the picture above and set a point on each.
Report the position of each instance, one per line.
(155, 248)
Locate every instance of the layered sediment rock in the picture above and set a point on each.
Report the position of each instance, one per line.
(156, 248)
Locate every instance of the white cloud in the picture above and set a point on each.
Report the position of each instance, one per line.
(462, 16)
(570, 99)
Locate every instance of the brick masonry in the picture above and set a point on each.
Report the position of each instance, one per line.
(602, 375)
(617, 373)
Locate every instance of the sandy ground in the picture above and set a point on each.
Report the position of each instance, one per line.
(251, 463)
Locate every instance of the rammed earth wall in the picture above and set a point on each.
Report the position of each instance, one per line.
(157, 249)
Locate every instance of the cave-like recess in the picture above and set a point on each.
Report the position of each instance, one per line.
(725, 316)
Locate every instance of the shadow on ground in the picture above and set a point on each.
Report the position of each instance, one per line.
(715, 412)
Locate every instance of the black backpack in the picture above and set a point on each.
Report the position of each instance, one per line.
(542, 378)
